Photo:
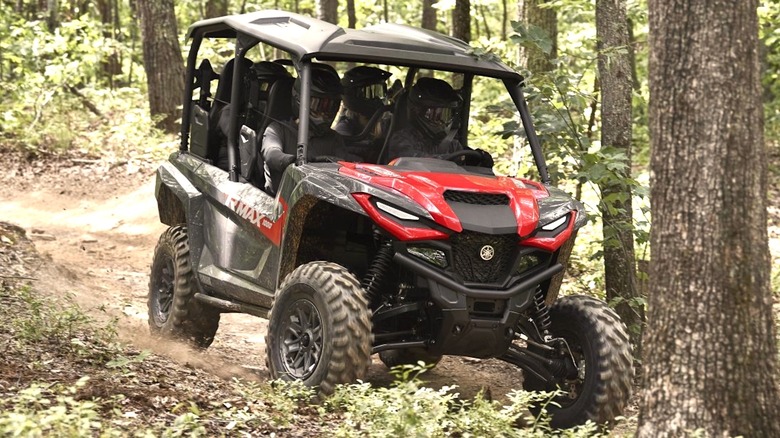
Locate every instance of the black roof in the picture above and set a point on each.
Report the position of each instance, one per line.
(392, 44)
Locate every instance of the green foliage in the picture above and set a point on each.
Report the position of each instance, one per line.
(43, 322)
(277, 403)
(408, 408)
(769, 33)
(50, 410)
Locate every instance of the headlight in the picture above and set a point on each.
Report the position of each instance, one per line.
(556, 223)
(400, 214)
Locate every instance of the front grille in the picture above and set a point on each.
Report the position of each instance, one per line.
(469, 264)
(476, 198)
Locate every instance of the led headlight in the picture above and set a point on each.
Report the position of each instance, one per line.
(556, 223)
(400, 214)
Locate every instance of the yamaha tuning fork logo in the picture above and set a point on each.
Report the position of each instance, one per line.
(487, 252)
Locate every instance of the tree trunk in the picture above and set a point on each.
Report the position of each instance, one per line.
(428, 15)
(216, 8)
(162, 60)
(461, 20)
(328, 10)
(710, 348)
(53, 18)
(616, 208)
(351, 17)
(504, 19)
(110, 66)
(546, 19)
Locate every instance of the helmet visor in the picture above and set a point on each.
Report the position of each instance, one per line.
(438, 115)
(373, 91)
(324, 106)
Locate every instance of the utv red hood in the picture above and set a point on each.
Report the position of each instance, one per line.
(427, 189)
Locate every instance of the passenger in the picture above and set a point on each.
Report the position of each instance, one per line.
(365, 91)
(280, 138)
(432, 110)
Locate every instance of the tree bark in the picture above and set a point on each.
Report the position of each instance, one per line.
(531, 14)
(351, 16)
(111, 65)
(504, 19)
(710, 348)
(216, 8)
(616, 208)
(162, 61)
(461, 20)
(428, 15)
(328, 10)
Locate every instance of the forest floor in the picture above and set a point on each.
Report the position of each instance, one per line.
(92, 226)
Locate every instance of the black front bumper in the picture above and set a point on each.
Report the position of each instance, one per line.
(475, 321)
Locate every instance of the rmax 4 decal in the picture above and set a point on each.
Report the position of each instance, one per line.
(271, 229)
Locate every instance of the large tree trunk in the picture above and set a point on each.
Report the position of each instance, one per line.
(428, 15)
(710, 349)
(546, 19)
(461, 20)
(328, 10)
(162, 60)
(616, 208)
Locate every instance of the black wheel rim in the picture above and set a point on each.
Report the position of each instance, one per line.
(163, 289)
(301, 339)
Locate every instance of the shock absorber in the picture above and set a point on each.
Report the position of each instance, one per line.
(541, 313)
(372, 282)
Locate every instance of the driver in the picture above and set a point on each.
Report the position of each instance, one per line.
(432, 112)
(280, 138)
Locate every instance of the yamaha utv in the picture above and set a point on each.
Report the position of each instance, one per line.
(409, 257)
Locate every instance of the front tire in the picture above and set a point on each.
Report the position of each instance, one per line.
(598, 340)
(173, 311)
(319, 328)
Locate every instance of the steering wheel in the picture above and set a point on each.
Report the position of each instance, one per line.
(464, 157)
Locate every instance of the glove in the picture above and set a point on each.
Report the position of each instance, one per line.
(486, 160)
(287, 160)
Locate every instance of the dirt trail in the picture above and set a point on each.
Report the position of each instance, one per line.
(97, 226)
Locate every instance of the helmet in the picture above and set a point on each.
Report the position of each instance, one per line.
(432, 106)
(365, 89)
(268, 71)
(325, 97)
(262, 75)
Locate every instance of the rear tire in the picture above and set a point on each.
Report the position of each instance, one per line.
(600, 345)
(409, 356)
(173, 311)
(319, 328)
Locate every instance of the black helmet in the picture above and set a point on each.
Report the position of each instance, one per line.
(262, 75)
(432, 106)
(268, 71)
(325, 97)
(365, 89)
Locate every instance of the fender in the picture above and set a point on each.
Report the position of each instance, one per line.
(302, 188)
(178, 202)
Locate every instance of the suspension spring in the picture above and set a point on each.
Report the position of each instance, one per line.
(541, 313)
(373, 280)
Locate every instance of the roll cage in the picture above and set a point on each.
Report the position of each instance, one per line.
(305, 39)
